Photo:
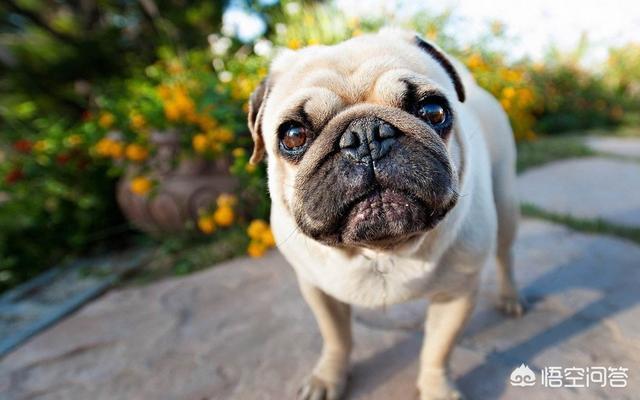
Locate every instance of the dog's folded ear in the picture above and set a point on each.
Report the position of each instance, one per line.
(256, 105)
(444, 62)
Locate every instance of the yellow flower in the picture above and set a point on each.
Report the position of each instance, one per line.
(103, 147)
(294, 43)
(217, 147)
(313, 41)
(200, 143)
(475, 61)
(224, 135)
(141, 185)
(526, 96)
(175, 67)
(432, 33)
(223, 216)
(136, 152)
(164, 91)
(250, 168)
(73, 140)
(267, 238)
(256, 249)
(108, 147)
(256, 228)
(508, 92)
(41, 146)
(138, 122)
(171, 111)
(106, 120)
(238, 152)
(206, 224)
(206, 122)
(116, 149)
(226, 200)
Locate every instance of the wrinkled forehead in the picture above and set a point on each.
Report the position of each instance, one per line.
(360, 69)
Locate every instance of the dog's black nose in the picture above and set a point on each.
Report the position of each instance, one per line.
(367, 139)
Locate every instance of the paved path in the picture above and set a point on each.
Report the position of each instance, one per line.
(622, 146)
(586, 188)
(242, 331)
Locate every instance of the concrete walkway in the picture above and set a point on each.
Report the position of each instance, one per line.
(593, 188)
(242, 331)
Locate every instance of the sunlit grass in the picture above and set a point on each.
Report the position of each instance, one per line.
(585, 225)
(547, 149)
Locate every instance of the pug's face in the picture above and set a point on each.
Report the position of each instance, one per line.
(357, 139)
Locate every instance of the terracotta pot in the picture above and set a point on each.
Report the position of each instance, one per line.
(183, 187)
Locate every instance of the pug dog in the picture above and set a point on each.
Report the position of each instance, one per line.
(392, 177)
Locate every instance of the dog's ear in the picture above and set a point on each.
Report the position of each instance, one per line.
(444, 62)
(256, 105)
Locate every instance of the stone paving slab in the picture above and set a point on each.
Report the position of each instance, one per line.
(621, 146)
(586, 188)
(35, 305)
(242, 331)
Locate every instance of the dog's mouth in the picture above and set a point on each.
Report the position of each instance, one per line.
(386, 219)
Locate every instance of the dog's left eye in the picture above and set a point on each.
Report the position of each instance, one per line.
(435, 112)
(293, 136)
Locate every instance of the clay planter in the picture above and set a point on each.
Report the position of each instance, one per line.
(182, 188)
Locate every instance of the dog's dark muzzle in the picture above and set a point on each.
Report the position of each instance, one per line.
(367, 139)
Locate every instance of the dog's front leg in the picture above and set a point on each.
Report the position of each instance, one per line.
(445, 319)
(329, 377)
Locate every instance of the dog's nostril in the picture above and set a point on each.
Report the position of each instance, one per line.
(386, 131)
(367, 139)
(349, 139)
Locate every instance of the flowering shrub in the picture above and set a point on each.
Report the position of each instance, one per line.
(57, 175)
(54, 199)
(207, 111)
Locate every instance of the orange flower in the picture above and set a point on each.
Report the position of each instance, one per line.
(294, 43)
(238, 152)
(226, 200)
(224, 216)
(267, 238)
(141, 185)
(106, 120)
(256, 228)
(171, 112)
(117, 149)
(199, 143)
(206, 224)
(136, 153)
(223, 135)
(73, 140)
(256, 249)
(138, 122)
(475, 61)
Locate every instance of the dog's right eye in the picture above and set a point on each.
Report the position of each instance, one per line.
(293, 137)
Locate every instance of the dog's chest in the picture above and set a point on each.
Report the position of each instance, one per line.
(370, 279)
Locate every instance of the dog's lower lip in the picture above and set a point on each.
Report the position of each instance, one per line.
(382, 218)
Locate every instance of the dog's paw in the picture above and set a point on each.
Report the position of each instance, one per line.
(315, 388)
(436, 385)
(512, 306)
